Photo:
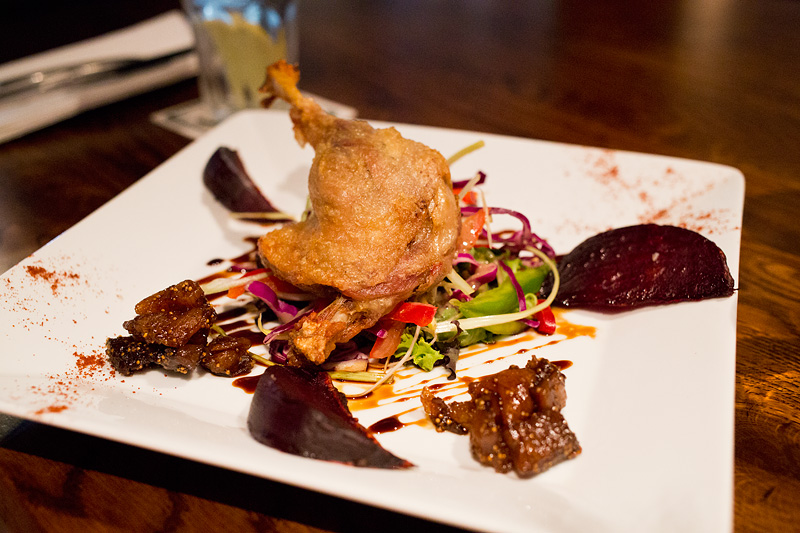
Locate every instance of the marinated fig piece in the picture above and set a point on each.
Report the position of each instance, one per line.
(170, 330)
(550, 391)
(176, 316)
(454, 417)
(642, 265)
(228, 356)
(538, 443)
(128, 355)
(513, 419)
(226, 179)
(183, 359)
(302, 413)
(179, 297)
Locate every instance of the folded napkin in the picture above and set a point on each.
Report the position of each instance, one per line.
(161, 35)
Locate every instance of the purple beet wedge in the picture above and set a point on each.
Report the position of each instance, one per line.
(228, 180)
(302, 413)
(642, 265)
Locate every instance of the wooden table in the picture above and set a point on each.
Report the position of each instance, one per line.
(709, 80)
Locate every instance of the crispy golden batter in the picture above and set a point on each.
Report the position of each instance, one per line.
(383, 225)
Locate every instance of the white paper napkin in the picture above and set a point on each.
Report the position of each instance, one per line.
(169, 32)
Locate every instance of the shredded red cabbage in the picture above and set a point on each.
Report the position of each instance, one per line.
(459, 295)
(282, 310)
(463, 183)
(347, 351)
(279, 350)
(249, 267)
(280, 329)
(484, 272)
(518, 240)
(464, 257)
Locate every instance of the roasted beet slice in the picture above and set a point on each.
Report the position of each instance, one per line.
(226, 178)
(642, 265)
(302, 413)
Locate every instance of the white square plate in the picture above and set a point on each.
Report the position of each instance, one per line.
(651, 395)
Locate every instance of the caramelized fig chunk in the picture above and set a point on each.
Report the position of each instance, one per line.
(128, 355)
(300, 412)
(642, 265)
(174, 317)
(170, 330)
(513, 419)
(228, 356)
(445, 417)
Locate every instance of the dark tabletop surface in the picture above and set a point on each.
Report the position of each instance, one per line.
(713, 80)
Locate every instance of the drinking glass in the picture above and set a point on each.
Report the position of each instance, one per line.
(236, 40)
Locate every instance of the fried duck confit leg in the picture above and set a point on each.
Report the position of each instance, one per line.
(513, 419)
(383, 224)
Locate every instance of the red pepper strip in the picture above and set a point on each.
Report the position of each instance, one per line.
(547, 321)
(235, 292)
(386, 346)
(471, 198)
(415, 312)
(471, 227)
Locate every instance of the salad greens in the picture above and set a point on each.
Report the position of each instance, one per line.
(503, 298)
(494, 311)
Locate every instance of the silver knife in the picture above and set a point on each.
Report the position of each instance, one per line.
(58, 77)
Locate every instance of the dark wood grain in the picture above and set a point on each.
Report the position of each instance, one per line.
(710, 80)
